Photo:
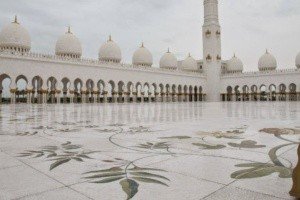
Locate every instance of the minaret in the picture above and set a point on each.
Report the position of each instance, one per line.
(212, 49)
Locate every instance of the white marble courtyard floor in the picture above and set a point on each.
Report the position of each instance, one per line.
(184, 151)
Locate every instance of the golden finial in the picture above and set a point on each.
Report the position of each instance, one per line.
(69, 29)
(168, 50)
(234, 55)
(189, 55)
(142, 45)
(16, 19)
(109, 38)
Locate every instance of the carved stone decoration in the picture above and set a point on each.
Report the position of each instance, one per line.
(295, 192)
(208, 58)
(218, 57)
(13, 90)
(218, 33)
(83, 92)
(208, 33)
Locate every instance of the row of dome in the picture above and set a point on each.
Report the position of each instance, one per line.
(266, 62)
(16, 37)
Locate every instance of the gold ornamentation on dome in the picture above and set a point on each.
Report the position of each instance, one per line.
(109, 38)
(16, 20)
(69, 30)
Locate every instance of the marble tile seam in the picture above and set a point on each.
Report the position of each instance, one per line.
(206, 197)
(39, 171)
(9, 167)
(197, 178)
(38, 193)
(262, 193)
(213, 192)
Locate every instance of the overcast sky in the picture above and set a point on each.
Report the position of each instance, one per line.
(248, 26)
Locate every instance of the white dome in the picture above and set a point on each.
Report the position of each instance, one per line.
(267, 62)
(235, 65)
(168, 61)
(143, 57)
(110, 52)
(68, 45)
(298, 61)
(190, 64)
(15, 37)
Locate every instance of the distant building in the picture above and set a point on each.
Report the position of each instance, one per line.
(66, 77)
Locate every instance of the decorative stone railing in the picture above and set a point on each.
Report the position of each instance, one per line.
(94, 62)
(261, 73)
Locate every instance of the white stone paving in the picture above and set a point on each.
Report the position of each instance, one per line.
(154, 151)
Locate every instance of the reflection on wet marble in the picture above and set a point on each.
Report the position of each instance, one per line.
(148, 151)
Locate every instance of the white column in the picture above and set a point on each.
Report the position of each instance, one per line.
(13, 96)
(44, 97)
(105, 97)
(142, 97)
(134, 98)
(71, 92)
(175, 97)
(163, 97)
(58, 95)
(28, 96)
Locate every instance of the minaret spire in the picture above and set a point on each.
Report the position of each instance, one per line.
(211, 12)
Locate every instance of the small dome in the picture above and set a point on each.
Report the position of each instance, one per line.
(168, 61)
(15, 37)
(68, 45)
(190, 64)
(235, 65)
(267, 62)
(142, 57)
(298, 61)
(110, 52)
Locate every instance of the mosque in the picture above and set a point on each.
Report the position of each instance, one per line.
(66, 77)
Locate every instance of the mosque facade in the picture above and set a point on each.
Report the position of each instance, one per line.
(66, 77)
